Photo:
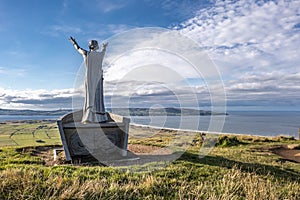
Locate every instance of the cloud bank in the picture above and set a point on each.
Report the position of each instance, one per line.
(37, 99)
(254, 45)
(259, 34)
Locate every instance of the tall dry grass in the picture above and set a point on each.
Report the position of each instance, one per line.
(41, 183)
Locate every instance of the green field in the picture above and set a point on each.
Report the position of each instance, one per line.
(239, 167)
(30, 133)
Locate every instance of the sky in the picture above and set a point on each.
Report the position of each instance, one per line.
(253, 45)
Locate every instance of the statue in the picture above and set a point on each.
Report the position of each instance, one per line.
(93, 111)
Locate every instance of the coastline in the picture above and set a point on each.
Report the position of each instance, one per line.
(245, 123)
(31, 121)
(206, 132)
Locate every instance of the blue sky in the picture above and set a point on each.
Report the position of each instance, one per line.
(254, 45)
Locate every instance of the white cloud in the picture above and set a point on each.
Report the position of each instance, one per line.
(243, 33)
(249, 90)
(156, 54)
(37, 99)
(152, 65)
(158, 66)
(140, 94)
(272, 89)
(255, 46)
(123, 93)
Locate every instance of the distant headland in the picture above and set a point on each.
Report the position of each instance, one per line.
(121, 111)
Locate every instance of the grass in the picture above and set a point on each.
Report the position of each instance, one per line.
(30, 133)
(237, 168)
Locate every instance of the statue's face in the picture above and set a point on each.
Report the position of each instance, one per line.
(93, 45)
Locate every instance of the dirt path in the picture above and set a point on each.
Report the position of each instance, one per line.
(151, 153)
(288, 152)
(145, 153)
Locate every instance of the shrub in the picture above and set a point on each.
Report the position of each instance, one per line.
(228, 141)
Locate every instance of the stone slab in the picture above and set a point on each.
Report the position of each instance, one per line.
(94, 142)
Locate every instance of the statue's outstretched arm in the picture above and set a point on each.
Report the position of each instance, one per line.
(77, 47)
(104, 45)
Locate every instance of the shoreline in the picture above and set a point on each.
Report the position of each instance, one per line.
(207, 132)
(245, 123)
(31, 121)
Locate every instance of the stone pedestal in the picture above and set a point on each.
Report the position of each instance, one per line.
(94, 142)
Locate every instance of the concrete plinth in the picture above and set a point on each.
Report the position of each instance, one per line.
(94, 142)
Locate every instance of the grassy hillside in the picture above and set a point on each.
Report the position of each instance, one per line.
(240, 167)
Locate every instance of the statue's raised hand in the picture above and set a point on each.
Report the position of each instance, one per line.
(72, 40)
(104, 45)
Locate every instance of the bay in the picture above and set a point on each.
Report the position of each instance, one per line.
(272, 123)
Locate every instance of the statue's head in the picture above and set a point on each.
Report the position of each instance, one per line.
(93, 45)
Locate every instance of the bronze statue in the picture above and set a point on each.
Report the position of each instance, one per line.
(93, 110)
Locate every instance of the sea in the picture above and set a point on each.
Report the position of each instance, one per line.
(264, 123)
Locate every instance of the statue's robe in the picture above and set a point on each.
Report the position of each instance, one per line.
(93, 110)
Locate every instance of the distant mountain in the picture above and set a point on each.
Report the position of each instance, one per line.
(120, 111)
(162, 111)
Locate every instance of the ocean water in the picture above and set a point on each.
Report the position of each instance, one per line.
(249, 122)
(271, 123)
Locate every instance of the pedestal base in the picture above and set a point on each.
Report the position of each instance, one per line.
(94, 142)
